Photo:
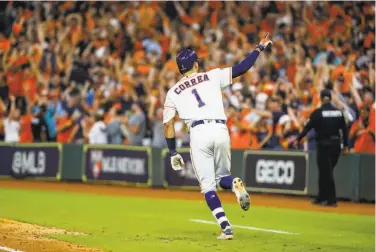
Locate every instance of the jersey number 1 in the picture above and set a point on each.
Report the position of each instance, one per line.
(198, 98)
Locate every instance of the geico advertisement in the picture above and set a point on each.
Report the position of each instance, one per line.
(276, 171)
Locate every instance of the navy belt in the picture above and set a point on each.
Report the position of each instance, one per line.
(195, 123)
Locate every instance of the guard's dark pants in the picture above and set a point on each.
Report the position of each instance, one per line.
(327, 158)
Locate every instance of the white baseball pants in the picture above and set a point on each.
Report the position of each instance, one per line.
(210, 154)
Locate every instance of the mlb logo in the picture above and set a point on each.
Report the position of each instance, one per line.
(97, 167)
(96, 156)
(96, 160)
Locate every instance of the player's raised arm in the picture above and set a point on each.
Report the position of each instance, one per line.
(169, 113)
(248, 62)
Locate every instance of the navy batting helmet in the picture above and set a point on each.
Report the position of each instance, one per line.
(185, 60)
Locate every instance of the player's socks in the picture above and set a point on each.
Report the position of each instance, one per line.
(226, 182)
(216, 207)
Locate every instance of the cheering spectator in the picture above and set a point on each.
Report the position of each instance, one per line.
(287, 131)
(240, 129)
(87, 56)
(262, 133)
(39, 127)
(156, 118)
(2, 117)
(65, 127)
(363, 134)
(86, 124)
(114, 127)
(12, 124)
(98, 133)
(4, 89)
(136, 125)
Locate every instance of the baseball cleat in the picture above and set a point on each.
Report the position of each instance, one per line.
(227, 234)
(238, 188)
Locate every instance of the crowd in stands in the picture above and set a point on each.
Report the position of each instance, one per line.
(98, 72)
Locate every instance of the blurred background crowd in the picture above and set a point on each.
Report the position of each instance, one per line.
(71, 71)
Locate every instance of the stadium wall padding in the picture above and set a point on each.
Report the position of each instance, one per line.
(366, 183)
(157, 174)
(346, 175)
(72, 159)
(276, 172)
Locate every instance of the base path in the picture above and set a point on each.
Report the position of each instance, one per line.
(301, 203)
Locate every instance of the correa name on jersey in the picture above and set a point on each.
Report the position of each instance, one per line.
(190, 83)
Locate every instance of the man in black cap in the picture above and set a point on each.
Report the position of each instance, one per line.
(330, 126)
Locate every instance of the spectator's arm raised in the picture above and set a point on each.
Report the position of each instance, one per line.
(87, 50)
(118, 73)
(294, 119)
(2, 105)
(165, 22)
(183, 15)
(64, 126)
(63, 36)
(35, 70)
(123, 14)
(263, 113)
(77, 16)
(152, 101)
(371, 74)
(6, 54)
(267, 137)
(12, 110)
(75, 129)
(304, 14)
(355, 94)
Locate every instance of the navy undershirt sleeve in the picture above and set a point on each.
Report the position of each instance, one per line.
(171, 143)
(245, 65)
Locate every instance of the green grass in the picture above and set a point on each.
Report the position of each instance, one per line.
(139, 224)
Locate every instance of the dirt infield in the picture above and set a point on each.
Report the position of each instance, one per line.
(301, 203)
(31, 238)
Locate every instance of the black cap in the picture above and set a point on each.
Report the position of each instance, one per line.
(43, 108)
(294, 104)
(326, 94)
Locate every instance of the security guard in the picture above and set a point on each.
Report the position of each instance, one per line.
(330, 126)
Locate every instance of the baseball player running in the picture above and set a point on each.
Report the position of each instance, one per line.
(197, 99)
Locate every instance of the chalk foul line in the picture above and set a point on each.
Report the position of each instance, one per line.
(247, 227)
(9, 249)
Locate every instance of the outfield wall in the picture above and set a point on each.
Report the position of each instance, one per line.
(263, 171)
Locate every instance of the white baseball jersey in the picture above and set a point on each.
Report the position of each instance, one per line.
(199, 97)
(11, 130)
(98, 133)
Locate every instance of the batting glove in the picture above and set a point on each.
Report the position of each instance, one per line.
(177, 161)
(264, 42)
